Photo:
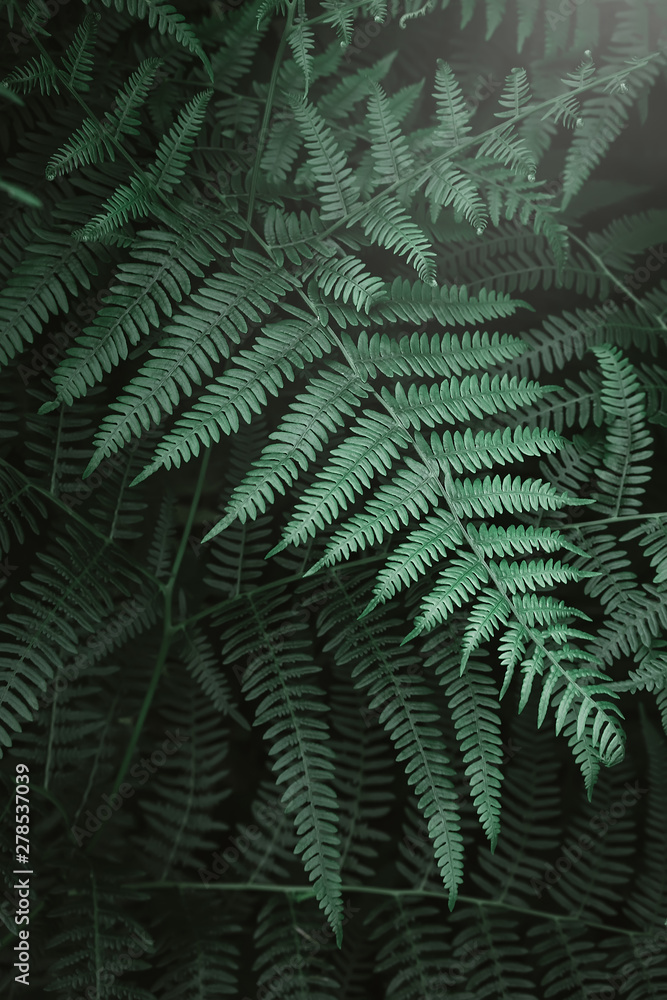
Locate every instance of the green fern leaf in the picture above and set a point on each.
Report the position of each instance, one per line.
(168, 22)
(94, 141)
(290, 705)
(389, 147)
(337, 186)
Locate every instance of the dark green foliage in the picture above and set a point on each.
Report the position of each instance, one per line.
(334, 558)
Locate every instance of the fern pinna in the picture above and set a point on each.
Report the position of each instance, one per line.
(332, 348)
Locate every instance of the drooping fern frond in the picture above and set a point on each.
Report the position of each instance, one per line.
(191, 781)
(167, 20)
(302, 41)
(100, 940)
(285, 348)
(299, 738)
(389, 225)
(337, 187)
(474, 705)
(628, 443)
(53, 271)
(408, 718)
(158, 275)
(389, 148)
(51, 618)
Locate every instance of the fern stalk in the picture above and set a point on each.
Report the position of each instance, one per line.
(619, 284)
(291, 9)
(169, 630)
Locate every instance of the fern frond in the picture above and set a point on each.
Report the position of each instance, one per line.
(284, 349)
(146, 187)
(190, 786)
(337, 186)
(94, 141)
(158, 274)
(386, 223)
(202, 663)
(168, 22)
(475, 709)
(290, 706)
(408, 717)
(419, 302)
(604, 116)
(301, 41)
(389, 148)
(77, 61)
(305, 430)
(100, 936)
(628, 441)
(439, 354)
(502, 144)
(52, 615)
(53, 271)
(19, 505)
(453, 115)
(346, 279)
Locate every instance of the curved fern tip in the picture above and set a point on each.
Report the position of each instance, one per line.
(144, 474)
(96, 460)
(52, 404)
(216, 529)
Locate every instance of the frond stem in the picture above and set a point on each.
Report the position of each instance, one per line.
(169, 630)
(306, 891)
(617, 281)
(267, 112)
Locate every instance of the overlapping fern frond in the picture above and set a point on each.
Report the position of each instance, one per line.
(334, 557)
